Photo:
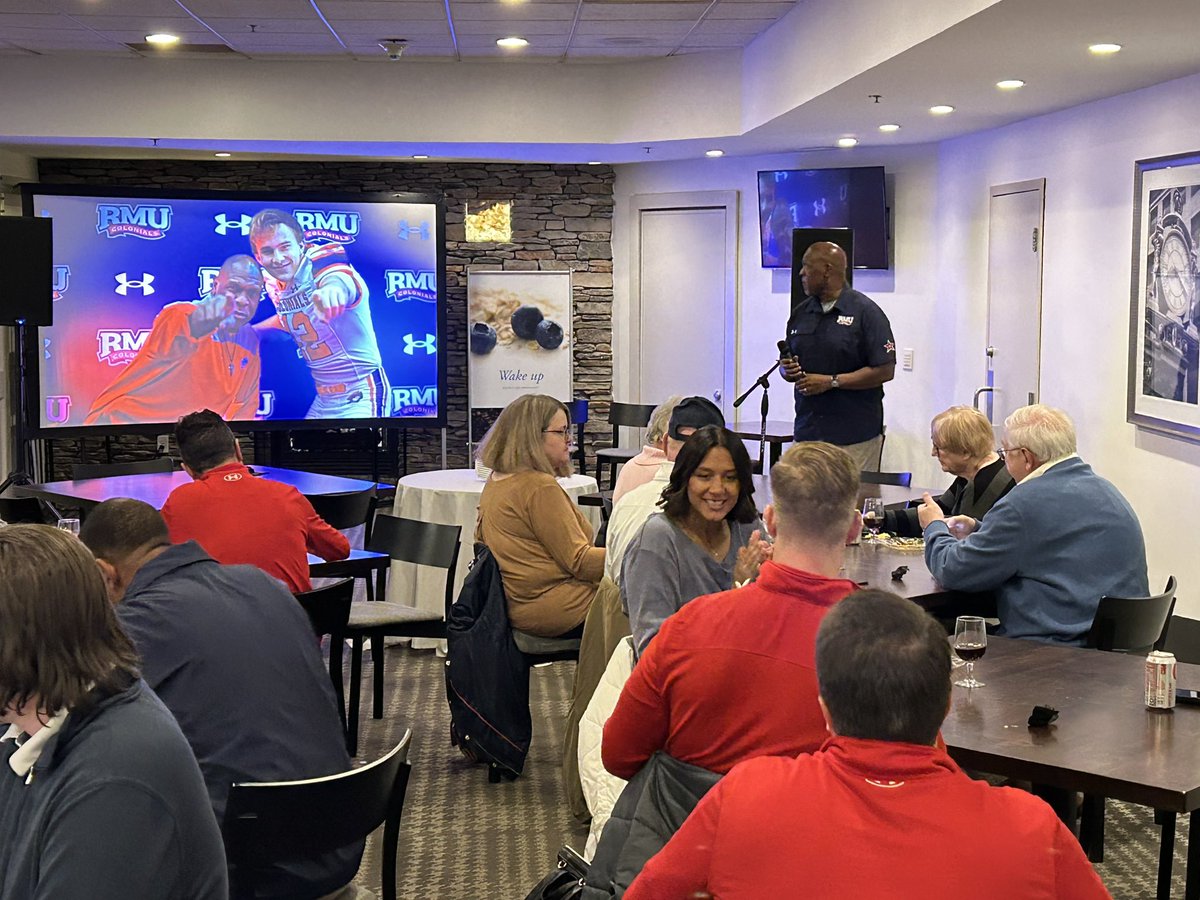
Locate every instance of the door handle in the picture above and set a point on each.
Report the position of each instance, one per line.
(978, 392)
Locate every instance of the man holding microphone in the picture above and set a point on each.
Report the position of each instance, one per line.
(841, 353)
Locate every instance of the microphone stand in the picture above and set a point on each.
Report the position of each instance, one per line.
(764, 383)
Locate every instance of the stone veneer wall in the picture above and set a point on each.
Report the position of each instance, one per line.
(562, 219)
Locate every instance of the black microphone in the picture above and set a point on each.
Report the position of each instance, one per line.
(784, 350)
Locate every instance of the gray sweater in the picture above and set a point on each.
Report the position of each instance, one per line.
(663, 569)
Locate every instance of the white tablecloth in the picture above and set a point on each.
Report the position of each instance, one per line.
(451, 497)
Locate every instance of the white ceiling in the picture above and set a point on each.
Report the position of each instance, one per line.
(352, 29)
(817, 97)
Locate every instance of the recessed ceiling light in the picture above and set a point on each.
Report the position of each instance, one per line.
(941, 109)
(420, 156)
(1010, 84)
(847, 142)
(162, 39)
(1104, 49)
(714, 153)
(891, 126)
(222, 155)
(512, 42)
(595, 163)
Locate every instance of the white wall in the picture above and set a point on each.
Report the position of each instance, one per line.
(906, 293)
(1086, 154)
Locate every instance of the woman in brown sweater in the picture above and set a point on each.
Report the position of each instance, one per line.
(539, 538)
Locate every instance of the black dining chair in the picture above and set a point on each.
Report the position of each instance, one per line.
(621, 415)
(21, 510)
(269, 822)
(328, 610)
(346, 511)
(1134, 626)
(1183, 639)
(577, 411)
(81, 471)
(409, 541)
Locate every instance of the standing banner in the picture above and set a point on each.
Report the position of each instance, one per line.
(519, 336)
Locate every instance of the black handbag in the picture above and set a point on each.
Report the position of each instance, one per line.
(566, 881)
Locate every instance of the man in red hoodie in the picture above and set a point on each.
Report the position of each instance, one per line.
(880, 810)
(238, 518)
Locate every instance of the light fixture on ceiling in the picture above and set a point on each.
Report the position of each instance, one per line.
(222, 155)
(890, 126)
(162, 39)
(512, 43)
(713, 154)
(847, 142)
(1104, 49)
(595, 162)
(1010, 84)
(393, 47)
(941, 109)
(420, 156)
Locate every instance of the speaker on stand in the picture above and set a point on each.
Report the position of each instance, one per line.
(26, 298)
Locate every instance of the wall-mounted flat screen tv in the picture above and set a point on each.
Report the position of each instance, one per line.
(823, 198)
(275, 310)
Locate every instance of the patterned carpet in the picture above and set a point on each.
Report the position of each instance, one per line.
(464, 839)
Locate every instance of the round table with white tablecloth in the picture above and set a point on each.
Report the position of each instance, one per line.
(451, 497)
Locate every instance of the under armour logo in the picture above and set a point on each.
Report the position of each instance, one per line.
(125, 283)
(224, 223)
(405, 231)
(429, 345)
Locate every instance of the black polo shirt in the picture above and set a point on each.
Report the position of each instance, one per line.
(853, 334)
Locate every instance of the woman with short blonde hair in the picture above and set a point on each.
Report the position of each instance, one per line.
(964, 444)
(539, 537)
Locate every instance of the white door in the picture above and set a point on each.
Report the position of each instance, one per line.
(684, 296)
(1014, 297)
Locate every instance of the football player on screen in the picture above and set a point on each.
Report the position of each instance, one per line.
(199, 354)
(324, 304)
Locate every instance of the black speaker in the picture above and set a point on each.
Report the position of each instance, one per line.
(26, 259)
(803, 238)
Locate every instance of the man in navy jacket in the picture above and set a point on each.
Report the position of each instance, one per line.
(1060, 540)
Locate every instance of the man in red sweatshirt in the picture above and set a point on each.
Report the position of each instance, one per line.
(879, 810)
(238, 518)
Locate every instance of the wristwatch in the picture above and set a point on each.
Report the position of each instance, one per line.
(834, 382)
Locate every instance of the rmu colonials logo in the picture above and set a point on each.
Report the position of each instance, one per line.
(328, 226)
(62, 281)
(413, 400)
(146, 221)
(118, 346)
(406, 284)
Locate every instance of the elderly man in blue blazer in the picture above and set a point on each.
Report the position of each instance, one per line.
(1061, 539)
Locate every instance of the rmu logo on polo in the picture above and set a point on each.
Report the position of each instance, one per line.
(146, 221)
(225, 224)
(407, 284)
(118, 346)
(125, 284)
(429, 345)
(328, 226)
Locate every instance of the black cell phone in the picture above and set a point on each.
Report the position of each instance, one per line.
(1187, 695)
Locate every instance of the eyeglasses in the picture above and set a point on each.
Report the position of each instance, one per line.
(1002, 451)
(564, 433)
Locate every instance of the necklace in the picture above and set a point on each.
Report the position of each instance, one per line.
(713, 549)
(226, 352)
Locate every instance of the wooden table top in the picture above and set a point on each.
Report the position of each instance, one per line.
(1105, 740)
(154, 488)
(872, 566)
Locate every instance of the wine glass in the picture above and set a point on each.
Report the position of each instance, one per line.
(970, 643)
(873, 514)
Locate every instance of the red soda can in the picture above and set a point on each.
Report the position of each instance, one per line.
(1160, 680)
